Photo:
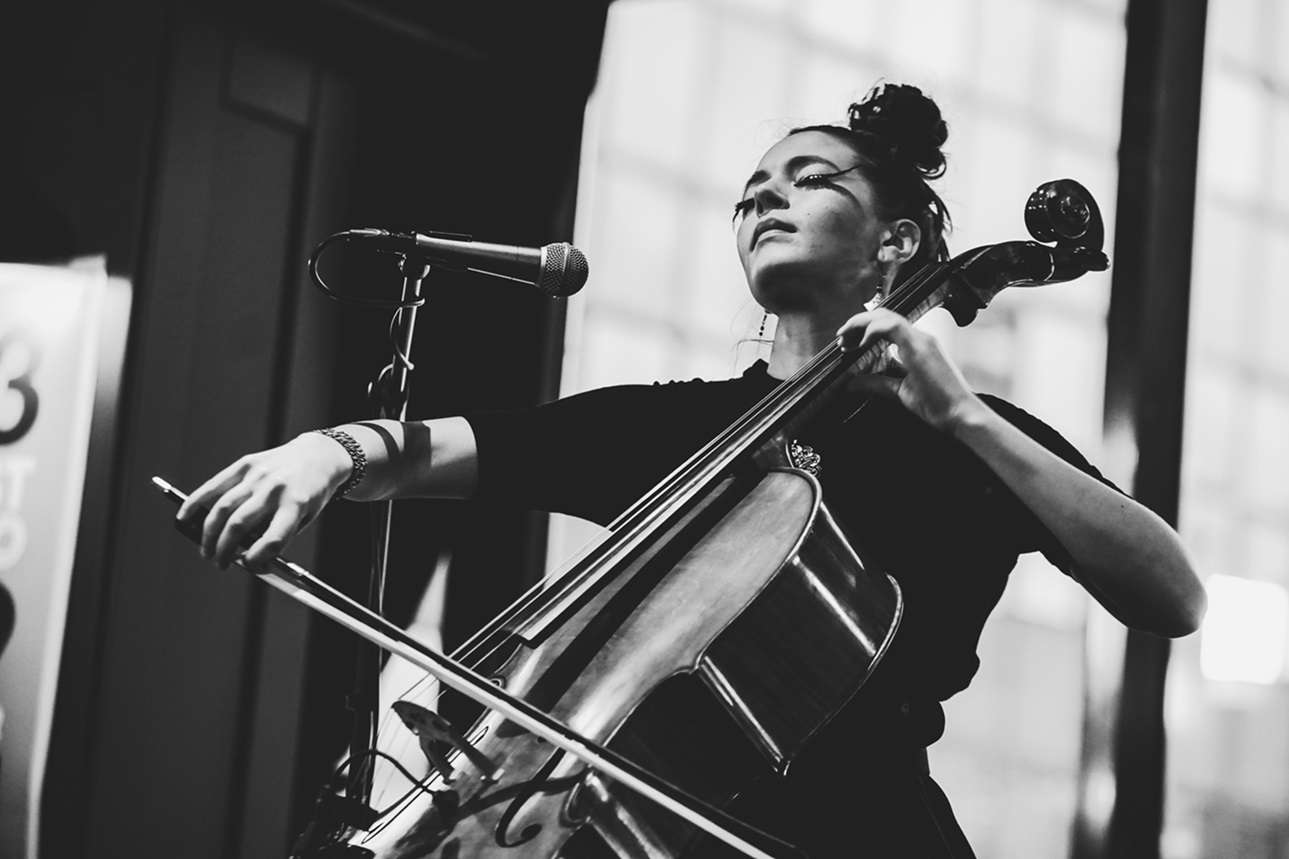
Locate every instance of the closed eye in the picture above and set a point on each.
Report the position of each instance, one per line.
(810, 180)
(816, 180)
(813, 180)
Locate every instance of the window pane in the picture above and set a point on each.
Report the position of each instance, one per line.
(1228, 703)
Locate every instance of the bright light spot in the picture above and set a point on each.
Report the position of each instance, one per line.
(1099, 792)
(1245, 631)
(43, 298)
(1037, 595)
(1182, 841)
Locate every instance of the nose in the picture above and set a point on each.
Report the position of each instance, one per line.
(768, 197)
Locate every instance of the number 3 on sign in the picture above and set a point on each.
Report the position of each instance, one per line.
(18, 399)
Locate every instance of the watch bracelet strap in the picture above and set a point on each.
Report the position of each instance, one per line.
(356, 457)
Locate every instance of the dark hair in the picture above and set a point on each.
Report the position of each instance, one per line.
(897, 133)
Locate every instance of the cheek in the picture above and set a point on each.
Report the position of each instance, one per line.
(743, 242)
(841, 237)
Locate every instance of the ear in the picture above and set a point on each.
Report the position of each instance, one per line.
(900, 241)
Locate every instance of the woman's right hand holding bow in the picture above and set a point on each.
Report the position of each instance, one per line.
(274, 494)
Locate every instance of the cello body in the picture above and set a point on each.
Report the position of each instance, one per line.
(757, 553)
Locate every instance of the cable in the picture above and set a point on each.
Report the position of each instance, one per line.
(321, 283)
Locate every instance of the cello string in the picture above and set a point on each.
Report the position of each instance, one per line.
(898, 297)
(827, 358)
(543, 586)
(829, 355)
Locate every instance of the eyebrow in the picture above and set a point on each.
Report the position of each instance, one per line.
(791, 164)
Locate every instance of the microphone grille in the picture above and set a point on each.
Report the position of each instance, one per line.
(564, 270)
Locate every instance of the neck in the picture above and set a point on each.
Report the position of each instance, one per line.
(800, 337)
(801, 334)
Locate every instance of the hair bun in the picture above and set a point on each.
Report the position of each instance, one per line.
(908, 121)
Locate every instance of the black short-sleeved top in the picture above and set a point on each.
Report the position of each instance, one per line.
(941, 522)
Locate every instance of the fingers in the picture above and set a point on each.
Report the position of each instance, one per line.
(241, 524)
(863, 328)
(217, 517)
(204, 496)
(284, 525)
(884, 378)
(258, 503)
(887, 375)
(889, 365)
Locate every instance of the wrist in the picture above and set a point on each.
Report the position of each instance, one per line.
(346, 461)
(968, 418)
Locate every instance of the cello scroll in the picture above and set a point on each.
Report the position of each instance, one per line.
(1060, 211)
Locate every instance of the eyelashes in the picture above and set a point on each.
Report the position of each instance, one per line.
(810, 180)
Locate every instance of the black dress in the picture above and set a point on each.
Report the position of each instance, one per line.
(941, 523)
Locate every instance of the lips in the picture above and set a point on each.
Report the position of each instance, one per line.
(768, 224)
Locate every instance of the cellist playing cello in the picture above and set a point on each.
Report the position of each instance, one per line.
(832, 217)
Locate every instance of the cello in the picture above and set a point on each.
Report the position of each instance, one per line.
(728, 580)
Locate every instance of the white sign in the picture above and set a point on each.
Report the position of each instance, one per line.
(49, 331)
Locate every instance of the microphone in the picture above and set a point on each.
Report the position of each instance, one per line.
(557, 270)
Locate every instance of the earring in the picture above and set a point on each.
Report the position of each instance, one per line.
(879, 290)
(760, 334)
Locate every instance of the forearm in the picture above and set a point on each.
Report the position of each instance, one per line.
(1124, 554)
(410, 459)
(269, 496)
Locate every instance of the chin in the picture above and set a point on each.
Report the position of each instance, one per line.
(785, 283)
(798, 294)
(783, 295)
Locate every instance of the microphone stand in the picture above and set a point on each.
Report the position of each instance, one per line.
(560, 270)
(388, 393)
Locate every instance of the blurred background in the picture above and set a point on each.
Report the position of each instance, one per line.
(202, 149)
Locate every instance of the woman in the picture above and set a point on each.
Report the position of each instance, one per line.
(831, 218)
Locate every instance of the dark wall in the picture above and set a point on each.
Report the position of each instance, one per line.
(205, 149)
